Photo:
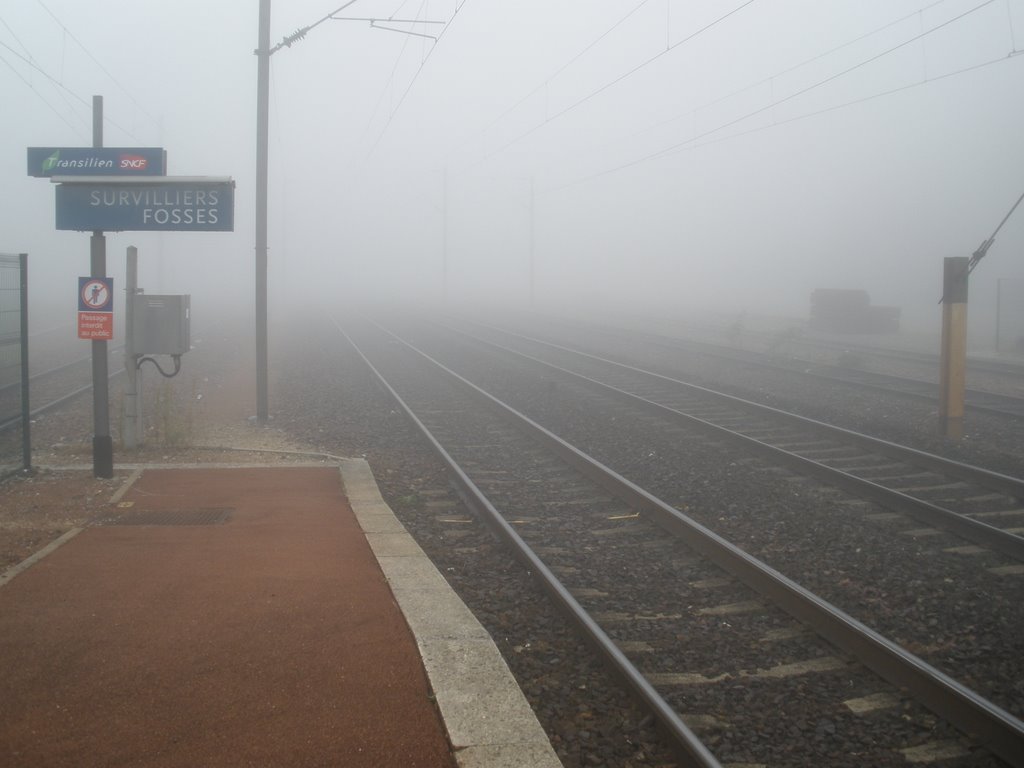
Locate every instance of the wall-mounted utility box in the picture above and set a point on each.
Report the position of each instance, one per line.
(161, 324)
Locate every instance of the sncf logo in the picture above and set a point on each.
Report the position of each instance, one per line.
(133, 163)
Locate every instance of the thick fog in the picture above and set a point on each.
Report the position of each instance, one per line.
(657, 156)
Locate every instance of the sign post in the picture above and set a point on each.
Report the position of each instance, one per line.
(132, 418)
(102, 443)
(101, 189)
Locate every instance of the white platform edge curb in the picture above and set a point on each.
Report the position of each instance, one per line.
(488, 719)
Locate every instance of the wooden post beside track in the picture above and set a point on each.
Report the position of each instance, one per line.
(953, 361)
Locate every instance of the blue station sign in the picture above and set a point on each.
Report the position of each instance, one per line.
(99, 161)
(169, 204)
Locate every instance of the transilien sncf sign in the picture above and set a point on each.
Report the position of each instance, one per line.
(45, 162)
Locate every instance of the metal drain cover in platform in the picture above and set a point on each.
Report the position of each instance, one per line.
(205, 516)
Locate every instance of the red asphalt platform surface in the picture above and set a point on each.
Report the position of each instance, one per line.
(271, 639)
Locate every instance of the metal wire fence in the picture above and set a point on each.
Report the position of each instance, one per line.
(15, 438)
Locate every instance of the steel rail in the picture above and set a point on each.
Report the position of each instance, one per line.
(916, 389)
(974, 364)
(1007, 484)
(685, 742)
(973, 530)
(38, 377)
(1014, 405)
(53, 404)
(991, 725)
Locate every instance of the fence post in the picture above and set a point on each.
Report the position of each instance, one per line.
(26, 411)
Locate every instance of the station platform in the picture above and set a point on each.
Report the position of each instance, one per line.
(251, 616)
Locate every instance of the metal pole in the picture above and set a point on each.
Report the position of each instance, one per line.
(953, 360)
(999, 296)
(102, 444)
(130, 428)
(444, 240)
(26, 411)
(532, 240)
(262, 141)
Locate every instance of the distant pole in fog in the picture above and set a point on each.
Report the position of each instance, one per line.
(130, 417)
(262, 130)
(263, 53)
(444, 239)
(953, 356)
(999, 308)
(533, 230)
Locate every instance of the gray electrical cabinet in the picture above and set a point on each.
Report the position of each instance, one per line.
(161, 324)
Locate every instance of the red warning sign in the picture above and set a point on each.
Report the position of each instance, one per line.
(96, 308)
(98, 326)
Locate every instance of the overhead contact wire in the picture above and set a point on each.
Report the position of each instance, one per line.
(801, 92)
(103, 69)
(779, 74)
(565, 66)
(622, 77)
(42, 98)
(415, 77)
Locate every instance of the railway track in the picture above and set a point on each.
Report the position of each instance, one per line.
(811, 346)
(792, 340)
(977, 400)
(53, 388)
(1007, 377)
(979, 505)
(728, 646)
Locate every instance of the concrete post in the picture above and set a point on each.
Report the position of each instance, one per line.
(953, 360)
(131, 424)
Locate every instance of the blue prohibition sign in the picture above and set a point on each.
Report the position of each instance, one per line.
(95, 294)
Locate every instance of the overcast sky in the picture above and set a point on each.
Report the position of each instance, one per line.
(680, 154)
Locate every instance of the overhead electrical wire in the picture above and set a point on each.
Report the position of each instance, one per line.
(399, 9)
(14, 35)
(575, 58)
(391, 77)
(59, 92)
(56, 82)
(552, 76)
(775, 76)
(57, 112)
(64, 97)
(103, 69)
(31, 62)
(822, 55)
(1013, 32)
(621, 77)
(805, 116)
(692, 140)
(415, 76)
(565, 66)
(640, 5)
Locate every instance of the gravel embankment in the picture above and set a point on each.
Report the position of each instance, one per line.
(336, 405)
